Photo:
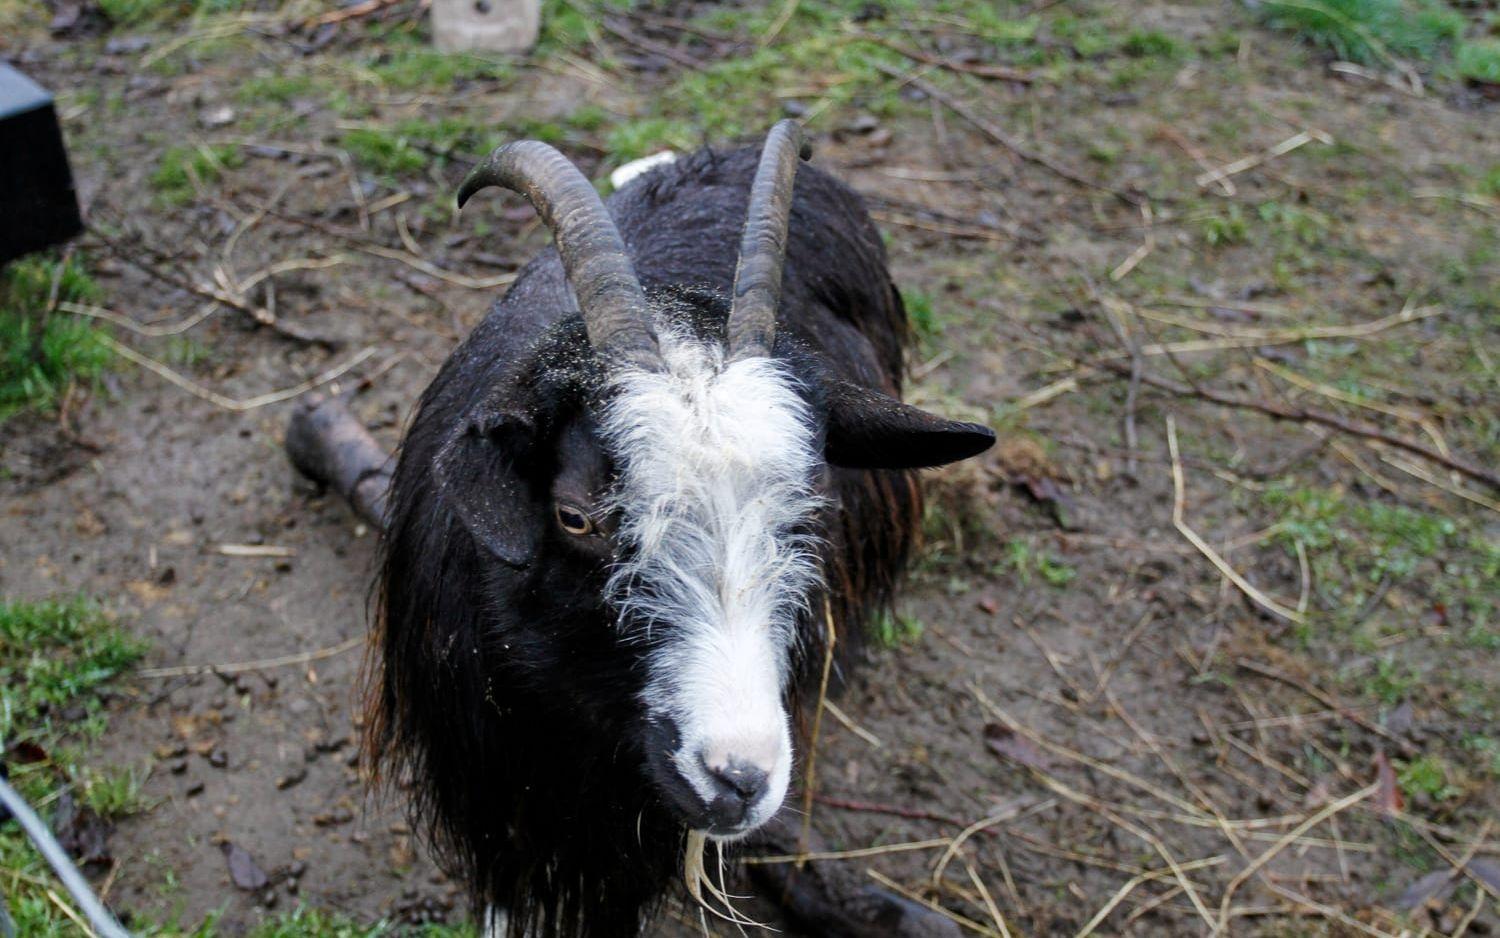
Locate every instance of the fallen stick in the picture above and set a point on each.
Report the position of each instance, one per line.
(329, 445)
(982, 69)
(1179, 521)
(1255, 159)
(258, 315)
(351, 12)
(1322, 417)
(1003, 139)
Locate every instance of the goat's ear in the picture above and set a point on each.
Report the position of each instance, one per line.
(479, 477)
(868, 430)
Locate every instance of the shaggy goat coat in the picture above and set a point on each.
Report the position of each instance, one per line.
(511, 722)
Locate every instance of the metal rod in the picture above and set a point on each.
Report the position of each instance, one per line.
(104, 924)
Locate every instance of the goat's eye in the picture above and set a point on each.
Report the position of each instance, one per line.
(574, 520)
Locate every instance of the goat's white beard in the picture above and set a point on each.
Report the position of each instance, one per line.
(716, 496)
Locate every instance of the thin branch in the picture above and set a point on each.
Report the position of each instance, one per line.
(1179, 502)
(1322, 417)
(998, 136)
(229, 403)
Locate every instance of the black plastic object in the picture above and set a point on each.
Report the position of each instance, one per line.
(38, 207)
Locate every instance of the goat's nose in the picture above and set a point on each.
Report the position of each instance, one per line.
(738, 784)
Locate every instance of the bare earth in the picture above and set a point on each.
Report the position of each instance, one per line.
(1149, 726)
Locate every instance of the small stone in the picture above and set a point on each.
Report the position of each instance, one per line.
(218, 759)
(332, 745)
(294, 777)
(333, 818)
(194, 789)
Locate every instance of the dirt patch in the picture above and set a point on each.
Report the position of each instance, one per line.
(1128, 726)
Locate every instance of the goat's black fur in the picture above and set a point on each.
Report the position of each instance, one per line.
(503, 695)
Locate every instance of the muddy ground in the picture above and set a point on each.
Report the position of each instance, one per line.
(1066, 663)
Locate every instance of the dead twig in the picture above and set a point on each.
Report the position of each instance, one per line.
(854, 854)
(260, 665)
(1196, 155)
(1255, 159)
(847, 722)
(1140, 880)
(901, 890)
(982, 69)
(651, 45)
(1327, 700)
(230, 403)
(810, 778)
(1003, 139)
(1321, 417)
(1286, 840)
(258, 315)
(1179, 501)
(353, 12)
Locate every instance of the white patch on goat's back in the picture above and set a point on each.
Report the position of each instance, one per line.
(716, 497)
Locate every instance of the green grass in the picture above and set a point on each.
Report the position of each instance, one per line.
(1023, 559)
(892, 630)
(1369, 31)
(181, 170)
(42, 353)
(1357, 543)
(275, 88)
(1141, 44)
(1479, 61)
(409, 146)
(634, 139)
(413, 67)
(1226, 229)
(113, 792)
(1426, 776)
(132, 12)
(922, 314)
(55, 657)
(384, 151)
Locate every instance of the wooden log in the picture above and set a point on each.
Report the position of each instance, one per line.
(328, 444)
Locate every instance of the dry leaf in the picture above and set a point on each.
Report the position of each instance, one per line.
(1006, 743)
(1388, 800)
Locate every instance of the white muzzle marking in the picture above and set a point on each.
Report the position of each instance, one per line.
(716, 466)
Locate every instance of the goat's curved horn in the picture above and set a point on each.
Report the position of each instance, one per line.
(757, 278)
(609, 295)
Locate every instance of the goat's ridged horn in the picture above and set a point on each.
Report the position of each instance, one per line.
(757, 278)
(609, 295)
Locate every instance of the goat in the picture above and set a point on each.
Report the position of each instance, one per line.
(629, 515)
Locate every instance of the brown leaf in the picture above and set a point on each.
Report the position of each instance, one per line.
(243, 869)
(81, 832)
(1007, 744)
(1388, 798)
(27, 752)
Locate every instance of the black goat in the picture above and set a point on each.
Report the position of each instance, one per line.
(629, 514)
